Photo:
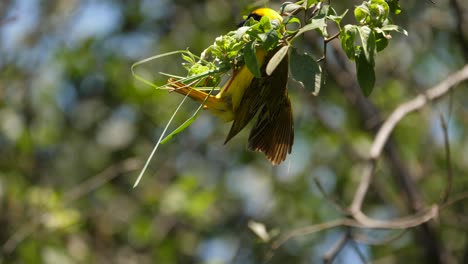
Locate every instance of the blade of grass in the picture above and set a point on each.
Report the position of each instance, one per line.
(188, 121)
(158, 143)
(138, 77)
(187, 79)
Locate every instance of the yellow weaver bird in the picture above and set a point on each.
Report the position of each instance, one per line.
(244, 95)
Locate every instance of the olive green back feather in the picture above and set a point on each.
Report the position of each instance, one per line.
(273, 133)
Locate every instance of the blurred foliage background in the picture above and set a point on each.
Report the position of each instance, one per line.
(76, 127)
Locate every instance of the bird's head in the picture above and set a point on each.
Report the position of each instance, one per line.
(258, 13)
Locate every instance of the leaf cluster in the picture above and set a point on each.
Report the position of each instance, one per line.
(236, 48)
(361, 42)
(370, 35)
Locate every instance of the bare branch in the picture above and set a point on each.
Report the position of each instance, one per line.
(364, 239)
(360, 220)
(329, 197)
(308, 230)
(363, 187)
(398, 223)
(417, 103)
(426, 235)
(460, 197)
(387, 128)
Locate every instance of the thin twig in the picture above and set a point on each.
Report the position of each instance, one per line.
(331, 254)
(329, 197)
(354, 244)
(448, 161)
(332, 37)
(460, 197)
(308, 230)
(364, 239)
(325, 43)
(360, 220)
(413, 220)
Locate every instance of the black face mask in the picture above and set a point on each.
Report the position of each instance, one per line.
(256, 17)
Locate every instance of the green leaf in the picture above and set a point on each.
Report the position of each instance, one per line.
(188, 58)
(382, 5)
(337, 18)
(290, 8)
(271, 40)
(312, 2)
(250, 59)
(323, 12)
(365, 73)
(293, 24)
(265, 24)
(378, 10)
(381, 42)
(347, 37)
(368, 43)
(394, 28)
(331, 12)
(241, 31)
(394, 6)
(306, 71)
(314, 24)
(182, 127)
(361, 13)
(276, 59)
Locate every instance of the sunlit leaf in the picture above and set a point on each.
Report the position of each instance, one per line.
(368, 42)
(394, 28)
(311, 2)
(347, 37)
(276, 59)
(260, 230)
(290, 7)
(338, 18)
(314, 24)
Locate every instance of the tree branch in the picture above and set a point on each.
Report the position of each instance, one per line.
(343, 72)
(389, 125)
(413, 105)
